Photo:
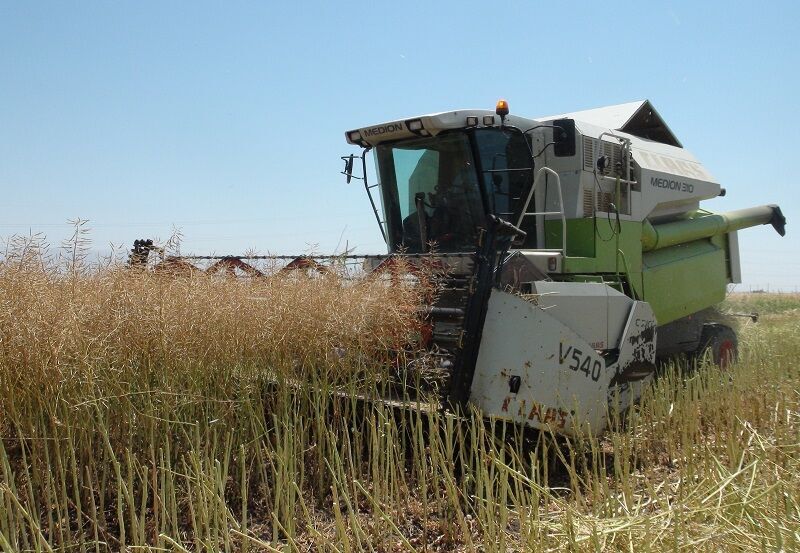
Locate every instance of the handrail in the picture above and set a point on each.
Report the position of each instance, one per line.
(524, 213)
(626, 148)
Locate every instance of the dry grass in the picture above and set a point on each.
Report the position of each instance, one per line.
(71, 334)
(173, 414)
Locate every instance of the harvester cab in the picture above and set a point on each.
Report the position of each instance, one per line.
(575, 247)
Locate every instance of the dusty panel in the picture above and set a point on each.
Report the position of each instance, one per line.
(535, 370)
(521, 340)
(593, 310)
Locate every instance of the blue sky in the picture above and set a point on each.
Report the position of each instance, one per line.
(227, 119)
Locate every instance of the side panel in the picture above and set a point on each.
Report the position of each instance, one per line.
(580, 236)
(534, 370)
(521, 340)
(595, 245)
(669, 189)
(596, 312)
(684, 279)
(734, 265)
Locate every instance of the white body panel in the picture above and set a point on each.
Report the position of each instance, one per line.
(597, 312)
(671, 179)
(734, 263)
(565, 384)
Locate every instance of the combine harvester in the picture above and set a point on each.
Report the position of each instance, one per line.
(575, 249)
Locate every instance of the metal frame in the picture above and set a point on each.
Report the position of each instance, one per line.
(626, 150)
(524, 213)
(368, 187)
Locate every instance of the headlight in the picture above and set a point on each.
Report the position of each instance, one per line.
(414, 125)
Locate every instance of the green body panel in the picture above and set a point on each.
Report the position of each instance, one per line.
(580, 236)
(593, 247)
(683, 279)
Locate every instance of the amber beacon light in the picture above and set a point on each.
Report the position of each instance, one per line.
(502, 111)
(502, 108)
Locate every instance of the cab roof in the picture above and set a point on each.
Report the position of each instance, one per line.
(639, 119)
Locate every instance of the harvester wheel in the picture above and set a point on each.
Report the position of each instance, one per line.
(721, 344)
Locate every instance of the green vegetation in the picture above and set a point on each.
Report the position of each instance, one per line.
(145, 412)
(763, 303)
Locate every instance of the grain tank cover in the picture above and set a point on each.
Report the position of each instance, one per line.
(638, 118)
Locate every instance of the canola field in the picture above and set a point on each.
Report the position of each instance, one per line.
(143, 412)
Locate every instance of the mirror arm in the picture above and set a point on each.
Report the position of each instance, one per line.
(542, 127)
(544, 148)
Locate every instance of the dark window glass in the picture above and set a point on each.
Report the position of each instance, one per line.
(430, 191)
(507, 174)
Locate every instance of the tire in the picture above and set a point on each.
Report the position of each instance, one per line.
(720, 343)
